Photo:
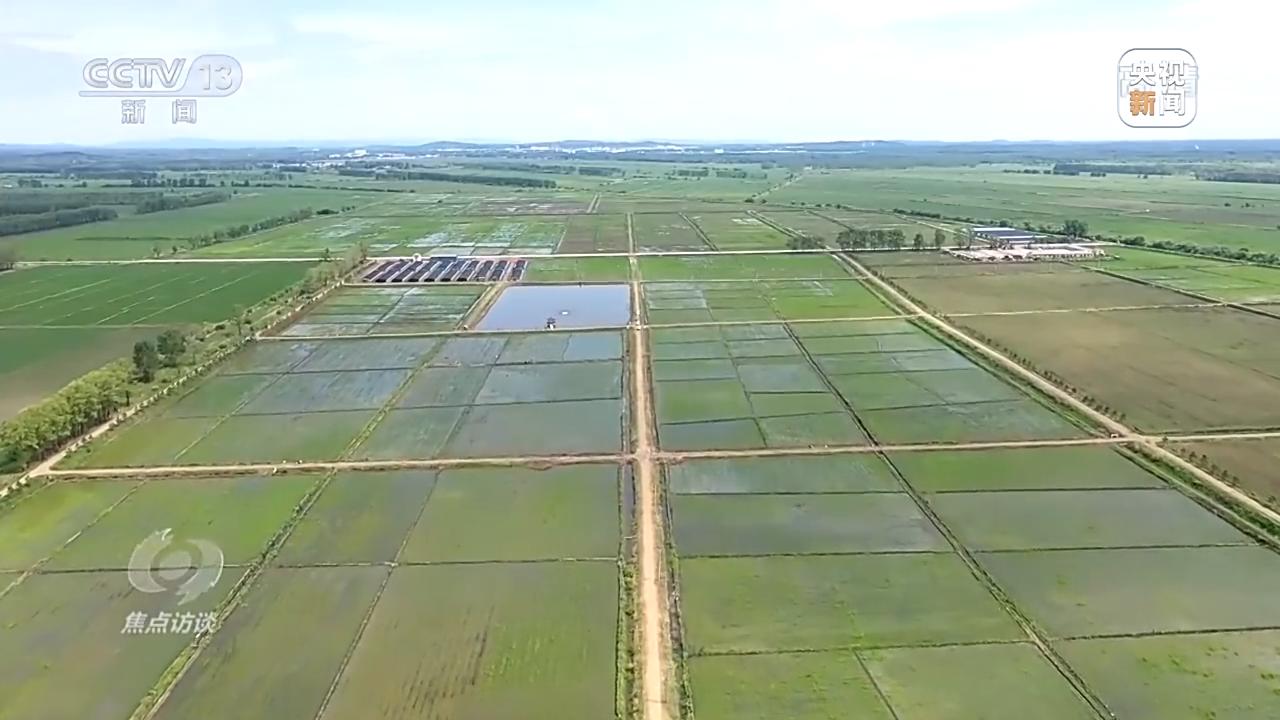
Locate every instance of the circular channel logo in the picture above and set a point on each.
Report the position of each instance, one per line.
(164, 563)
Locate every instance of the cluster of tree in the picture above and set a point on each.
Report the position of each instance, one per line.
(1027, 171)
(895, 239)
(918, 213)
(39, 431)
(331, 270)
(805, 242)
(45, 202)
(166, 350)
(18, 224)
(1075, 228)
(1104, 168)
(499, 180)
(598, 171)
(8, 258)
(692, 172)
(30, 183)
(158, 203)
(1241, 176)
(735, 173)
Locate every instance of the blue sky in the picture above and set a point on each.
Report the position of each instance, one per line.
(782, 70)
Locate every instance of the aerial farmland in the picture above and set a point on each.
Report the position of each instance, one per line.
(674, 467)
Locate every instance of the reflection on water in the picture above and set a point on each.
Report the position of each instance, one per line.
(530, 307)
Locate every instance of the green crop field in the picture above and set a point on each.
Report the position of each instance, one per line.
(75, 601)
(806, 223)
(138, 236)
(737, 231)
(741, 267)
(578, 270)
(672, 303)
(58, 323)
(1220, 280)
(595, 233)
(666, 232)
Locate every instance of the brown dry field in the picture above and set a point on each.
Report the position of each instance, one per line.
(1252, 464)
(1033, 286)
(1165, 370)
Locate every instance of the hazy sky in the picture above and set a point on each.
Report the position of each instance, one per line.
(784, 70)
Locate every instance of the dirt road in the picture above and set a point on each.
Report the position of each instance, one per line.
(654, 646)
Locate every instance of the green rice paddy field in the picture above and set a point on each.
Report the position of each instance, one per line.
(791, 610)
(845, 535)
(342, 592)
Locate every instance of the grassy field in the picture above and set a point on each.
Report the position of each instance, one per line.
(578, 270)
(737, 231)
(57, 323)
(666, 231)
(670, 303)
(741, 267)
(136, 236)
(595, 233)
(1217, 279)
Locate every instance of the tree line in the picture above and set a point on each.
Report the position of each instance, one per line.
(18, 224)
(237, 231)
(159, 203)
(880, 238)
(499, 180)
(1241, 176)
(34, 203)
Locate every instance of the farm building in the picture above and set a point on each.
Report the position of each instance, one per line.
(1005, 236)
